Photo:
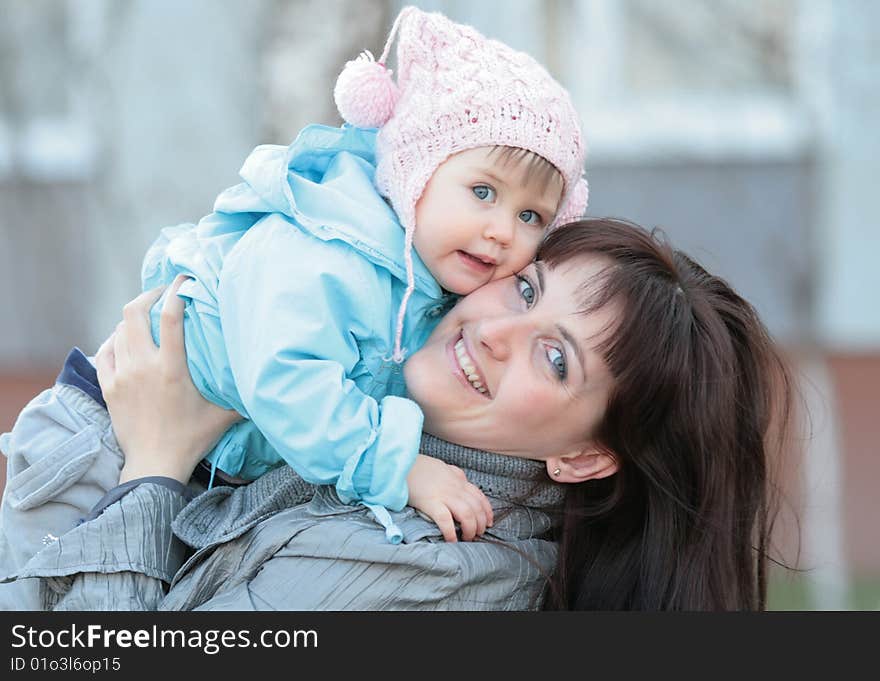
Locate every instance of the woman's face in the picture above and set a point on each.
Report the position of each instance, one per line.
(513, 368)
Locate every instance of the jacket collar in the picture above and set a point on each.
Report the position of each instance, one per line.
(324, 181)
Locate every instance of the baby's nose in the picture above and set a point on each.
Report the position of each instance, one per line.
(500, 228)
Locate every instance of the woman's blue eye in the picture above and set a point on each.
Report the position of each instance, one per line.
(557, 359)
(526, 290)
(530, 217)
(484, 192)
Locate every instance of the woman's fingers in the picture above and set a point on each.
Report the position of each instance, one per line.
(120, 346)
(105, 363)
(136, 316)
(132, 336)
(171, 345)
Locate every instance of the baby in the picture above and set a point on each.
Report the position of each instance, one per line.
(333, 259)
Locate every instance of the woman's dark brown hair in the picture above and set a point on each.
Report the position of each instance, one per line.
(700, 404)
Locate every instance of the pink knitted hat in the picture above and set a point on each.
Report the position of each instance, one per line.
(457, 90)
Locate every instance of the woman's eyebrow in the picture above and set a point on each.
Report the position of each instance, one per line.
(565, 333)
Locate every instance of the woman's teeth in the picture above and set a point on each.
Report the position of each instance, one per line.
(467, 366)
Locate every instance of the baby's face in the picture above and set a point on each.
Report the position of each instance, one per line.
(481, 218)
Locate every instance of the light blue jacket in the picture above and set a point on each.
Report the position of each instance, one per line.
(290, 319)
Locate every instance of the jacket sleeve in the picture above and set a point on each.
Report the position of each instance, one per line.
(292, 308)
(122, 560)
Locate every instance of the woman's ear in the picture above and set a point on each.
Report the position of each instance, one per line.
(589, 464)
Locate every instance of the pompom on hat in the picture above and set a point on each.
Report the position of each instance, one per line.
(456, 90)
(365, 94)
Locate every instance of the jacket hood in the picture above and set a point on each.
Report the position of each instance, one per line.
(324, 182)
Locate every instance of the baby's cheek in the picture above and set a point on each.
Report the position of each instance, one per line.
(502, 273)
(513, 265)
(523, 254)
(463, 289)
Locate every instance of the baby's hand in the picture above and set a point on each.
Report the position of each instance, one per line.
(443, 493)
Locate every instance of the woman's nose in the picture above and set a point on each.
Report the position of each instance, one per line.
(497, 335)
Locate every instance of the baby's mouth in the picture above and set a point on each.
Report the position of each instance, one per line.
(466, 363)
(478, 262)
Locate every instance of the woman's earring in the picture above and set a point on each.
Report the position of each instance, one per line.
(557, 471)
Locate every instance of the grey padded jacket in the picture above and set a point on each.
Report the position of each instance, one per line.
(281, 544)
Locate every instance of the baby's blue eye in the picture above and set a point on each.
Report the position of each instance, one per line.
(557, 359)
(484, 192)
(526, 290)
(530, 217)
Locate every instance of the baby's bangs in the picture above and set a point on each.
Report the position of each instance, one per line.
(535, 168)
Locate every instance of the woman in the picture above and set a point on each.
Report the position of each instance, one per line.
(628, 395)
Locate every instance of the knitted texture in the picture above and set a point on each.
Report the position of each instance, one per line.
(365, 93)
(460, 90)
(224, 512)
(457, 90)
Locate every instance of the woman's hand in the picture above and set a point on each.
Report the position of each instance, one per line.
(162, 423)
(443, 493)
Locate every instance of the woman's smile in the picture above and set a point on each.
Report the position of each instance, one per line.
(469, 368)
(465, 368)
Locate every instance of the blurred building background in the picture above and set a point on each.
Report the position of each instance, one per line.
(746, 130)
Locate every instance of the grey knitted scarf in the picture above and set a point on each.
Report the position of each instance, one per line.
(225, 511)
